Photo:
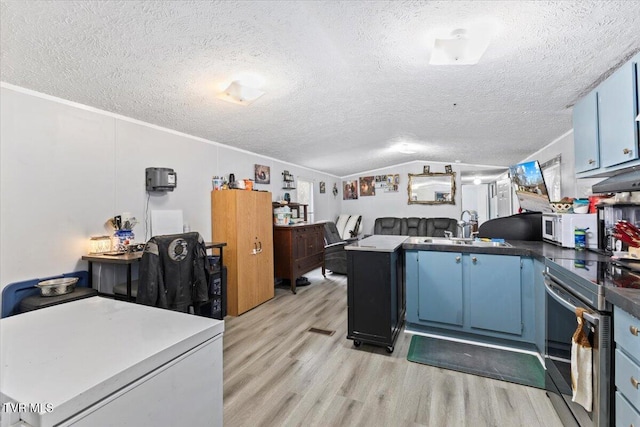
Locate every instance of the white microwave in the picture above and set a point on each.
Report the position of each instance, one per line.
(559, 228)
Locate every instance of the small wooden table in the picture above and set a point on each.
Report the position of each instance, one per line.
(128, 259)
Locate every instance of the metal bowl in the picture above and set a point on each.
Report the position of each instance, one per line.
(54, 287)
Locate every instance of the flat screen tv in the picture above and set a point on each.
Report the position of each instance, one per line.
(529, 186)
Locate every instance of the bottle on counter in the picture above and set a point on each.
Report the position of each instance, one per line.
(580, 238)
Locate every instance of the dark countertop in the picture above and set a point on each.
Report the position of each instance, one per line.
(301, 224)
(539, 250)
(626, 298)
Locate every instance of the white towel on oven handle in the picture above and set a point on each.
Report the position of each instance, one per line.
(581, 365)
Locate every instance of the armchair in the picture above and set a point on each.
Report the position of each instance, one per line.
(335, 257)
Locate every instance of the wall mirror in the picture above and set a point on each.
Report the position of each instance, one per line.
(432, 188)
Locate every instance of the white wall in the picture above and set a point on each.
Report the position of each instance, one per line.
(476, 197)
(66, 168)
(395, 204)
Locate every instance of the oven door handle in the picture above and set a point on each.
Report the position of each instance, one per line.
(549, 283)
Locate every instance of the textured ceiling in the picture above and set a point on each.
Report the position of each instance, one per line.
(344, 81)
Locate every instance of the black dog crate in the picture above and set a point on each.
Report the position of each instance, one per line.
(216, 307)
(212, 308)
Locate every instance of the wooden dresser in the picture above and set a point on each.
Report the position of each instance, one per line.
(297, 249)
(244, 220)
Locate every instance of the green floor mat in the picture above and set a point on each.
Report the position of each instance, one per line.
(489, 362)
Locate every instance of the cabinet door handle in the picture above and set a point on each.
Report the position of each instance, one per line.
(457, 259)
(474, 259)
(633, 330)
(626, 151)
(634, 382)
(591, 161)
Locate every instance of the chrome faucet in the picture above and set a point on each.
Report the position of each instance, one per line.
(448, 234)
(466, 226)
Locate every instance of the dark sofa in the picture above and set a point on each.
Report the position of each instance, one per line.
(427, 227)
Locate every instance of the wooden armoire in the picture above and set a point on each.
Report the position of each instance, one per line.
(244, 220)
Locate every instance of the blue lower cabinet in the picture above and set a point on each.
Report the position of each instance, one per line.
(411, 279)
(626, 414)
(440, 290)
(495, 294)
(471, 295)
(627, 367)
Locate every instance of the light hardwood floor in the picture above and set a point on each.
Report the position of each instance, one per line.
(277, 373)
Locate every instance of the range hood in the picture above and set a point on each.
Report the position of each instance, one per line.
(629, 180)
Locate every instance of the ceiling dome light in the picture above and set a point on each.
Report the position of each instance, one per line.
(477, 181)
(254, 80)
(240, 94)
(462, 46)
(405, 148)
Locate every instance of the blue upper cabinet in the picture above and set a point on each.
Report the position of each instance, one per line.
(617, 111)
(604, 126)
(585, 133)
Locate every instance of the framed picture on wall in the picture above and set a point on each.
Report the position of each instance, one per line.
(350, 190)
(262, 174)
(367, 186)
(323, 189)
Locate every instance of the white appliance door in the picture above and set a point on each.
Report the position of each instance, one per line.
(549, 227)
(184, 392)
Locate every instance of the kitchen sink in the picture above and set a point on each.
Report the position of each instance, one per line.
(465, 242)
(482, 244)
